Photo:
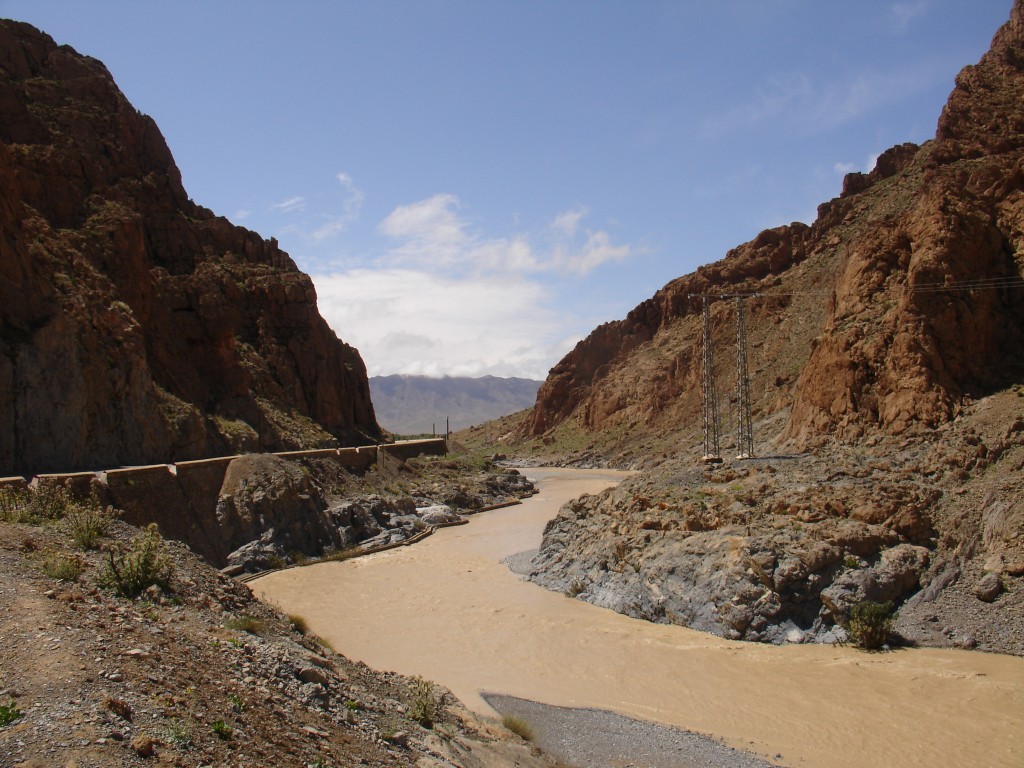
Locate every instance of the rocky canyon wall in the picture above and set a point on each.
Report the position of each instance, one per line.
(898, 304)
(135, 325)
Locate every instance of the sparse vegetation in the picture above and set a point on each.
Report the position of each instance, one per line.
(423, 706)
(870, 624)
(178, 734)
(142, 564)
(61, 566)
(221, 730)
(245, 623)
(518, 726)
(46, 503)
(88, 522)
(11, 501)
(298, 623)
(9, 713)
(237, 704)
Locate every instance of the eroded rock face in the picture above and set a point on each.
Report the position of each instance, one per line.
(759, 554)
(865, 322)
(136, 326)
(265, 498)
(885, 344)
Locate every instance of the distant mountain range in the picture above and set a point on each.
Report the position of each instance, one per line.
(412, 405)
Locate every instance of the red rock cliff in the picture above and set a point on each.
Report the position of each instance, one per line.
(136, 326)
(848, 333)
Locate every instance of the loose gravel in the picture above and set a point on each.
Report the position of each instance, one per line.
(594, 738)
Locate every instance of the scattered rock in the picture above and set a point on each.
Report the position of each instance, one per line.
(399, 739)
(313, 674)
(988, 587)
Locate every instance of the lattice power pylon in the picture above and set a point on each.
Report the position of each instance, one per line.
(709, 392)
(744, 429)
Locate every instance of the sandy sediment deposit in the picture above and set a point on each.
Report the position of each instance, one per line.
(448, 609)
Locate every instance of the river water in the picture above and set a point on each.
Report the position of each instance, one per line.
(446, 608)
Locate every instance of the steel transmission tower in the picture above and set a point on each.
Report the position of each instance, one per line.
(709, 392)
(744, 430)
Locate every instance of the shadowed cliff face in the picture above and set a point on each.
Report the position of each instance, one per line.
(844, 339)
(136, 326)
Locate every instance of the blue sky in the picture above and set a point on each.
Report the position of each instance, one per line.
(474, 186)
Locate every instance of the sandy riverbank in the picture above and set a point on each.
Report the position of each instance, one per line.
(449, 610)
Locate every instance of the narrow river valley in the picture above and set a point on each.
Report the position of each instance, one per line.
(448, 609)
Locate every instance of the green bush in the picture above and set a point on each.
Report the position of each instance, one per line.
(423, 706)
(9, 713)
(130, 570)
(870, 624)
(88, 522)
(221, 729)
(49, 502)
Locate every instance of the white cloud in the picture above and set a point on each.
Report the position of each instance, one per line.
(776, 97)
(430, 231)
(432, 234)
(597, 250)
(241, 214)
(291, 205)
(841, 169)
(902, 14)
(445, 298)
(417, 322)
(811, 106)
(333, 225)
(568, 222)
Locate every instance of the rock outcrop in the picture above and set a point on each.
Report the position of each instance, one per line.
(135, 325)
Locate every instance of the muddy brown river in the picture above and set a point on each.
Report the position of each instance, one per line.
(448, 609)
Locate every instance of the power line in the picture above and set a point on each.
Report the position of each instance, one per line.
(744, 421)
(972, 284)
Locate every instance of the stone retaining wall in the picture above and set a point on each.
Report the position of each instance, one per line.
(182, 497)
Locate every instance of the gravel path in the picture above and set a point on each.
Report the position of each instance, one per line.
(594, 738)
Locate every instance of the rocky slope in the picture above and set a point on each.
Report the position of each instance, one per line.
(413, 405)
(198, 673)
(885, 342)
(135, 325)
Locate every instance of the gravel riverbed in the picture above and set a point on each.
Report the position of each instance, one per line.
(593, 738)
